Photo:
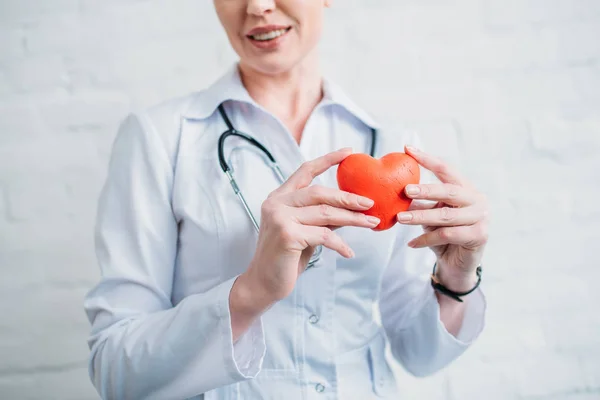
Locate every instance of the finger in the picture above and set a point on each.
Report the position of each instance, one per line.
(309, 170)
(446, 192)
(326, 215)
(315, 195)
(471, 236)
(443, 216)
(442, 171)
(423, 205)
(315, 236)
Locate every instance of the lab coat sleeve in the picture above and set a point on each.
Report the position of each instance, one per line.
(143, 347)
(410, 312)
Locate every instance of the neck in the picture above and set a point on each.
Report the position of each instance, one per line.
(291, 95)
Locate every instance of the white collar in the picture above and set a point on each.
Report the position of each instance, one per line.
(229, 87)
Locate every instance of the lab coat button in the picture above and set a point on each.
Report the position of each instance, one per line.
(313, 319)
(319, 388)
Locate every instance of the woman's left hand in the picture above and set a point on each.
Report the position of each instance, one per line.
(455, 225)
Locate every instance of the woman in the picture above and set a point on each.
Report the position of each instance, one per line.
(193, 304)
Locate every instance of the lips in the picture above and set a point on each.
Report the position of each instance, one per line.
(267, 32)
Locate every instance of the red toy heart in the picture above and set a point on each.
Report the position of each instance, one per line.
(382, 180)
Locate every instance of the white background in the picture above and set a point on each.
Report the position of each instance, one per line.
(507, 90)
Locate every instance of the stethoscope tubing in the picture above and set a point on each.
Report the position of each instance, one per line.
(231, 131)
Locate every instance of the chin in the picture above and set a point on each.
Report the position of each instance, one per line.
(273, 64)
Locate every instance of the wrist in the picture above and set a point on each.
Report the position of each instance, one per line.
(456, 280)
(247, 296)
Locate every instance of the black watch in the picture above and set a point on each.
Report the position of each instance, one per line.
(450, 293)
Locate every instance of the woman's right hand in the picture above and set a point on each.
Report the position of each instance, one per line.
(295, 219)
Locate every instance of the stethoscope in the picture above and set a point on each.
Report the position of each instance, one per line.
(231, 131)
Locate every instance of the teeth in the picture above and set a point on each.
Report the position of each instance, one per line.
(269, 35)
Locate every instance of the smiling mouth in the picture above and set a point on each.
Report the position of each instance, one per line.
(271, 35)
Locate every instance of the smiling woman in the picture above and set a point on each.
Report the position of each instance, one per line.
(194, 303)
(272, 36)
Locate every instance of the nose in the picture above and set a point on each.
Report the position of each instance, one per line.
(260, 7)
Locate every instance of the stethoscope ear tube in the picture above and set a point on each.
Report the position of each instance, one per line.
(231, 131)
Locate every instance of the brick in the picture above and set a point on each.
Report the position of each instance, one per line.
(529, 294)
(445, 58)
(125, 26)
(565, 140)
(3, 202)
(102, 41)
(501, 342)
(529, 253)
(576, 42)
(515, 12)
(492, 381)
(24, 198)
(577, 331)
(48, 157)
(410, 387)
(483, 55)
(441, 138)
(591, 369)
(111, 28)
(31, 335)
(593, 395)
(583, 208)
(541, 48)
(531, 93)
(489, 147)
(19, 123)
(5, 87)
(11, 42)
(84, 113)
(412, 21)
(429, 101)
(37, 74)
(18, 236)
(158, 63)
(60, 384)
(55, 34)
(73, 264)
(91, 73)
(26, 9)
(66, 172)
(556, 203)
(67, 195)
(586, 80)
(548, 375)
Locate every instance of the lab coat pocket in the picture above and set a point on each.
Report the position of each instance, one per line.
(382, 376)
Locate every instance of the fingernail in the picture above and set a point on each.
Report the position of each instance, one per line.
(351, 252)
(365, 202)
(413, 190)
(405, 217)
(346, 150)
(373, 220)
(413, 149)
(411, 243)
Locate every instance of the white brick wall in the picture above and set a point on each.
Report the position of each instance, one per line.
(509, 90)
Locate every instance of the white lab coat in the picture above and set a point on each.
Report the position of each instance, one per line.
(172, 237)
